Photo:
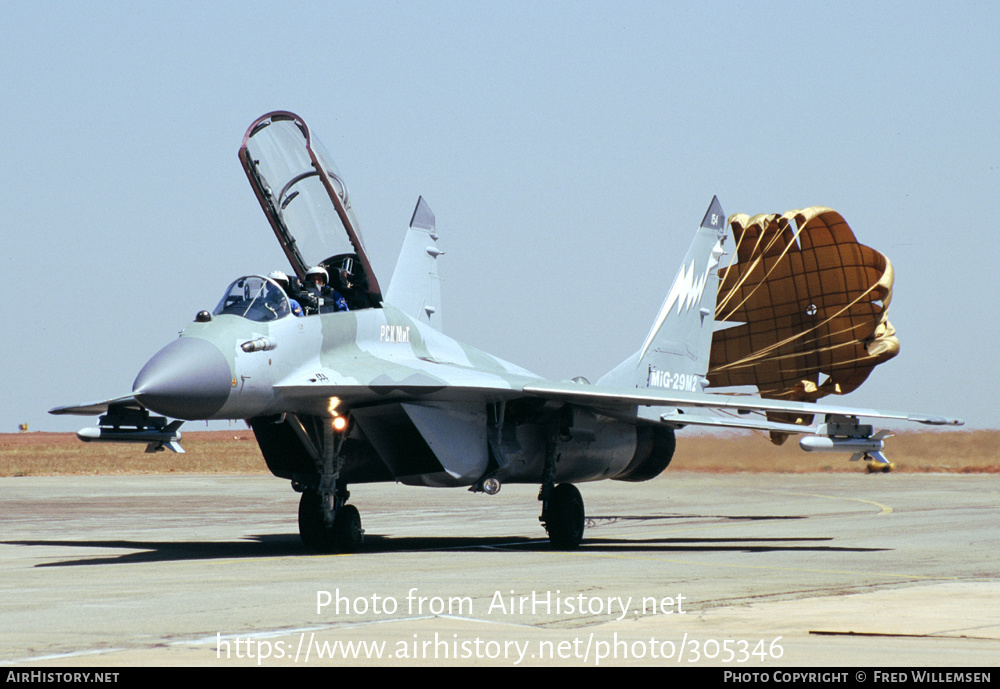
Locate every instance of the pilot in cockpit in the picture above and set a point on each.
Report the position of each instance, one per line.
(285, 284)
(318, 296)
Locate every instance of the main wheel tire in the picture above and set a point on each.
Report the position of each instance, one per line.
(564, 517)
(347, 532)
(313, 531)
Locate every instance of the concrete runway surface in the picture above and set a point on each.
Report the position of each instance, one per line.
(744, 571)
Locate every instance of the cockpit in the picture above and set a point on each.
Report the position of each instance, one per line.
(262, 299)
(255, 298)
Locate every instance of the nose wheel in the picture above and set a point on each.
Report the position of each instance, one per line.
(319, 533)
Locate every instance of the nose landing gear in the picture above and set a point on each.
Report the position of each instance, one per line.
(327, 530)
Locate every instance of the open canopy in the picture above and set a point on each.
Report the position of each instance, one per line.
(306, 201)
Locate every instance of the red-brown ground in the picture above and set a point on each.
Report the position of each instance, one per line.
(236, 452)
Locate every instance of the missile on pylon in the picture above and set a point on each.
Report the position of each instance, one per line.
(822, 443)
(155, 438)
(867, 447)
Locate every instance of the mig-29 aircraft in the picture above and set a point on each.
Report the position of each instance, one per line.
(348, 383)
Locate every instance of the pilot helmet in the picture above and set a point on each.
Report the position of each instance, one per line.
(279, 277)
(317, 271)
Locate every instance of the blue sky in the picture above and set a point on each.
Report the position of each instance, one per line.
(568, 150)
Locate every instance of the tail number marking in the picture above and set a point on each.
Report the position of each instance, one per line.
(673, 381)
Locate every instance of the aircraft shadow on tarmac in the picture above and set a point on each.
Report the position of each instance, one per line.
(289, 545)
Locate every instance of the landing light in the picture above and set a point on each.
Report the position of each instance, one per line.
(339, 423)
(332, 404)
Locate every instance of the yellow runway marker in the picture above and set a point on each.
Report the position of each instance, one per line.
(884, 509)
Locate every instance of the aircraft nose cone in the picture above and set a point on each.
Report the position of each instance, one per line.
(187, 379)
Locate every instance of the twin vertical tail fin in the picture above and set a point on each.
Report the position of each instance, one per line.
(416, 288)
(676, 351)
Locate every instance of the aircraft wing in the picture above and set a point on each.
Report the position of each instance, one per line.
(92, 408)
(674, 402)
(444, 382)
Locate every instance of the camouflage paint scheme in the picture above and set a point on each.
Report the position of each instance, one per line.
(379, 393)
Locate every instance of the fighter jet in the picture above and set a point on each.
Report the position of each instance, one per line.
(344, 383)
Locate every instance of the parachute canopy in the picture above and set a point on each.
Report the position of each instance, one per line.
(808, 304)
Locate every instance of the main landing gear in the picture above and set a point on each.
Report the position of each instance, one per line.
(562, 505)
(563, 516)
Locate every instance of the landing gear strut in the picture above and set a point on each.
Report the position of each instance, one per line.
(326, 523)
(562, 506)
